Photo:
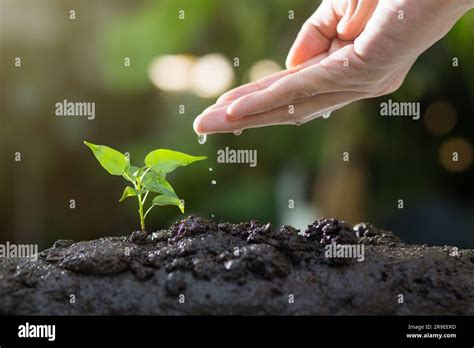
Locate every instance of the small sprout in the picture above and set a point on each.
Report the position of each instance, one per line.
(148, 179)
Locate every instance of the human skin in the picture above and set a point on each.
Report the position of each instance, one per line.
(346, 51)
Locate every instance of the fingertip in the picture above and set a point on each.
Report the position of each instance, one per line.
(344, 32)
(214, 107)
(295, 56)
(289, 58)
(211, 122)
(231, 95)
(289, 62)
(221, 99)
(355, 19)
(197, 125)
(234, 111)
(232, 118)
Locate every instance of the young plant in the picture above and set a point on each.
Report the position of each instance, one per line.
(149, 179)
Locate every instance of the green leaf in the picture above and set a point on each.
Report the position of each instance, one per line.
(130, 192)
(168, 200)
(164, 161)
(132, 173)
(155, 182)
(114, 162)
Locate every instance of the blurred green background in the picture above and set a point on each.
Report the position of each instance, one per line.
(177, 67)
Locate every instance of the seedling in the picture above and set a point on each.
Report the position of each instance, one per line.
(148, 179)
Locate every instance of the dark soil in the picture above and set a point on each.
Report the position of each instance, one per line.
(201, 267)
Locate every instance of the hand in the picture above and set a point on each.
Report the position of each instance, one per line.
(346, 51)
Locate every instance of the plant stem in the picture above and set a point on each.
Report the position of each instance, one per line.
(144, 197)
(138, 186)
(148, 210)
(144, 173)
(140, 212)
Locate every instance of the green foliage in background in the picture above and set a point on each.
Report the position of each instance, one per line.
(151, 30)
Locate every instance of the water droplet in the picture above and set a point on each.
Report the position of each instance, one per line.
(202, 138)
(212, 216)
(238, 132)
(213, 182)
(298, 122)
(327, 114)
(210, 169)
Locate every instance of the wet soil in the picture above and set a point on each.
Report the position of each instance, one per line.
(197, 266)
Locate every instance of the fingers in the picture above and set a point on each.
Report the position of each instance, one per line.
(217, 106)
(296, 87)
(291, 89)
(346, 10)
(266, 81)
(300, 113)
(327, 23)
(216, 121)
(315, 35)
(252, 87)
(356, 16)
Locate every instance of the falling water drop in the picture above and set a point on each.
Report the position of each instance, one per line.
(210, 169)
(327, 114)
(238, 132)
(202, 138)
(212, 216)
(213, 182)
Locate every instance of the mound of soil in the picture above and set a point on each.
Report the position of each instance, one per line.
(198, 266)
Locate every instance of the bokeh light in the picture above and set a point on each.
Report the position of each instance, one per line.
(455, 154)
(440, 118)
(262, 69)
(212, 75)
(171, 72)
